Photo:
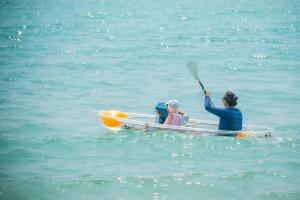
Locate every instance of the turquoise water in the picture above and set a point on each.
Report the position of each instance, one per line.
(60, 61)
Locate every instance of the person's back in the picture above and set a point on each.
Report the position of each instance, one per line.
(231, 118)
(177, 120)
(175, 117)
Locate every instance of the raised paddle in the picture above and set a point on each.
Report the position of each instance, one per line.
(193, 68)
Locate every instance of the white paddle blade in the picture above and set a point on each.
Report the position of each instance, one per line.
(193, 68)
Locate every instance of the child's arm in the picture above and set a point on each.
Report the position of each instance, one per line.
(169, 117)
(180, 112)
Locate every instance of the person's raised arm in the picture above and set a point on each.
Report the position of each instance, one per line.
(210, 107)
(169, 117)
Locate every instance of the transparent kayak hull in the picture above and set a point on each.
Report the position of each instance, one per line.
(146, 122)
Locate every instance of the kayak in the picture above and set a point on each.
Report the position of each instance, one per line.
(118, 120)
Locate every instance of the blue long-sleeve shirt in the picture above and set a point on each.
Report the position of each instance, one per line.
(231, 119)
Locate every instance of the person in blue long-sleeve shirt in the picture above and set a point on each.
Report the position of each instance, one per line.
(231, 118)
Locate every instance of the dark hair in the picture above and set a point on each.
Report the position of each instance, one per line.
(230, 98)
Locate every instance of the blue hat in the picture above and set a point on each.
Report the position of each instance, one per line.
(174, 103)
(161, 108)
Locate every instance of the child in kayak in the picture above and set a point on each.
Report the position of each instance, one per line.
(231, 118)
(167, 113)
(175, 117)
(162, 113)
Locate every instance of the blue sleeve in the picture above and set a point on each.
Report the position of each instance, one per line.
(210, 108)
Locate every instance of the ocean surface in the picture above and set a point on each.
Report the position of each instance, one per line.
(61, 61)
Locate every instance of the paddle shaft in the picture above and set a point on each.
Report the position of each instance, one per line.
(202, 86)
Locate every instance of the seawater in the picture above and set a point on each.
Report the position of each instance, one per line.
(60, 61)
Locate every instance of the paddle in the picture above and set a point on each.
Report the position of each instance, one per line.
(193, 68)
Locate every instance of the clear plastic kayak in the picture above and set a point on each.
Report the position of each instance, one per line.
(117, 120)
